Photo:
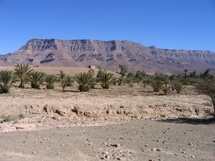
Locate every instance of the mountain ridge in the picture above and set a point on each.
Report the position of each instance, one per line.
(109, 54)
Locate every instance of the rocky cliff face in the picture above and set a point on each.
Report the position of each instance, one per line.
(109, 54)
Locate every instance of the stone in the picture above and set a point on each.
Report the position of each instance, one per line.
(1, 120)
(115, 145)
(24, 126)
(159, 149)
(154, 149)
(191, 144)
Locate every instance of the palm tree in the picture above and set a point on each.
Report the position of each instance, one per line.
(85, 81)
(185, 72)
(207, 86)
(6, 80)
(121, 80)
(156, 84)
(157, 81)
(66, 81)
(106, 79)
(50, 81)
(36, 79)
(166, 88)
(123, 70)
(62, 75)
(22, 71)
(178, 86)
(100, 72)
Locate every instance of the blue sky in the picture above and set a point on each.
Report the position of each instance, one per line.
(173, 24)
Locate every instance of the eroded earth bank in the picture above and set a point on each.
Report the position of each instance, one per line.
(121, 123)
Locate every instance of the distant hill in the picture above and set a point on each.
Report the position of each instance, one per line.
(109, 54)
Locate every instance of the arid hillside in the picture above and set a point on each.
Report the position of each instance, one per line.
(108, 54)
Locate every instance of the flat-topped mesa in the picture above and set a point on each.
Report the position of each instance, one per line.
(109, 54)
(40, 44)
(86, 45)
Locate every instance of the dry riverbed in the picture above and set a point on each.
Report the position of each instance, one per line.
(122, 123)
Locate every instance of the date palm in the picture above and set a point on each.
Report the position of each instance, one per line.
(22, 71)
(207, 86)
(50, 81)
(66, 81)
(62, 75)
(157, 81)
(166, 88)
(106, 79)
(6, 80)
(156, 84)
(36, 79)
(85, 81)
(178, 86)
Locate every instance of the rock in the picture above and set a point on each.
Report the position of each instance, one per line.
(154, 149)
(5, 127)
(159, 149)
(61, 112)
(24, 126)
(90, 114)
(107, 156)
(49, 109)
(1, 120)
(33, 109)
(191, 144)
(115, 145)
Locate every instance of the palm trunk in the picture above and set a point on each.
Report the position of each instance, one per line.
(22, 84)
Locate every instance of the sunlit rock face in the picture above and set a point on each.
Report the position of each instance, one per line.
(109, 54)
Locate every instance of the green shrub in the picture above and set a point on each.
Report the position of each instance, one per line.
(6, 80)
(85, 81)
(50, 81)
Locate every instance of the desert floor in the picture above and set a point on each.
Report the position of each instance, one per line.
(121, 123)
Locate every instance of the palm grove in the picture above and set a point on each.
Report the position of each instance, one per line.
(203, 82)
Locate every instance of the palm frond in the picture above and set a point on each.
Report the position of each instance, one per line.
(6, 80)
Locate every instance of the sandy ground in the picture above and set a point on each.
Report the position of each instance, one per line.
(52, 70)
(122, 123)
(176, 139)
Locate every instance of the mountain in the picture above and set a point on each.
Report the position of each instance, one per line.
(109, 54)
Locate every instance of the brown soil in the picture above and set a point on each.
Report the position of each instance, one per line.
(121, 123)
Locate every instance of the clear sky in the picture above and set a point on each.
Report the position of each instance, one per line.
(173, 24)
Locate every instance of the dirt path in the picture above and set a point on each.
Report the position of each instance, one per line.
(137, 140)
